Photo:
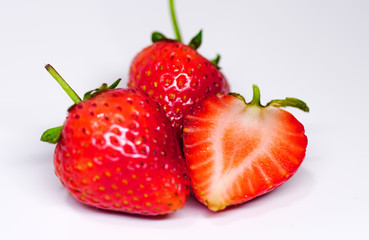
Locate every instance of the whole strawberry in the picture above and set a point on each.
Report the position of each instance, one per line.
(118, 151)
(236, 151)
(175, 74)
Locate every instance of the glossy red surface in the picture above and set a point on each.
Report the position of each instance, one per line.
(177, 76)
(118, 152)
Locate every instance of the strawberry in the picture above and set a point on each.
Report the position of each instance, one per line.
(175, 74)
(118, 151)
(236, 151)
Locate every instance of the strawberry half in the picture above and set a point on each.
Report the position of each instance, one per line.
(118, 151)
(175, 74)
(236, 151)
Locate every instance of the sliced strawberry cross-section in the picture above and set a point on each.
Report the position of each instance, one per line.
(237, 151)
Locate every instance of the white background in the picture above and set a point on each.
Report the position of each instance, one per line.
(316, 50)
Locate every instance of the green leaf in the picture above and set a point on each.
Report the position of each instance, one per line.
(115, 84)
(92, 93)
(87, 95)
(289, 102)
(157, 37)
(195, 43)
(104, 87)
(52, 135)
(215, 61)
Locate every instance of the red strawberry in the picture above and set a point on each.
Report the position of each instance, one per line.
(236, 151)
(176, 75)
(118, 151)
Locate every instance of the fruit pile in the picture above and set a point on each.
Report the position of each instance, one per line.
(175, 128)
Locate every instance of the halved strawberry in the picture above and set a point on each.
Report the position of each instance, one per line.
(237, 151)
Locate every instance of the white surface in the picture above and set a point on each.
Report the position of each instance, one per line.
(315, 50)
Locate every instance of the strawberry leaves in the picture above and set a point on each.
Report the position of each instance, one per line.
(52, 135)
(287, 102)
(195, 42)
(157, 37)
(103, 88)
(215, 61)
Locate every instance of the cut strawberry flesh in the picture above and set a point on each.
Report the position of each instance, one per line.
(236, 152)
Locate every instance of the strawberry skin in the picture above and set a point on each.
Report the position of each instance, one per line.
(177, 76)
(237, 151)
(118, 152)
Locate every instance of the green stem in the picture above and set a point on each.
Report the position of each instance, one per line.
(256, 96)
(174, 21)
(72, 94)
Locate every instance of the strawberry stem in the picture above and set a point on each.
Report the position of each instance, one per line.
(256, 96)
(174, 21)
(72, 94)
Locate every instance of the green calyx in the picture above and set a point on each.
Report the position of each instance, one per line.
(287, 102)
(157, 37)
(215, 61)
(103, 88)
(53, 135)
(195, 42)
